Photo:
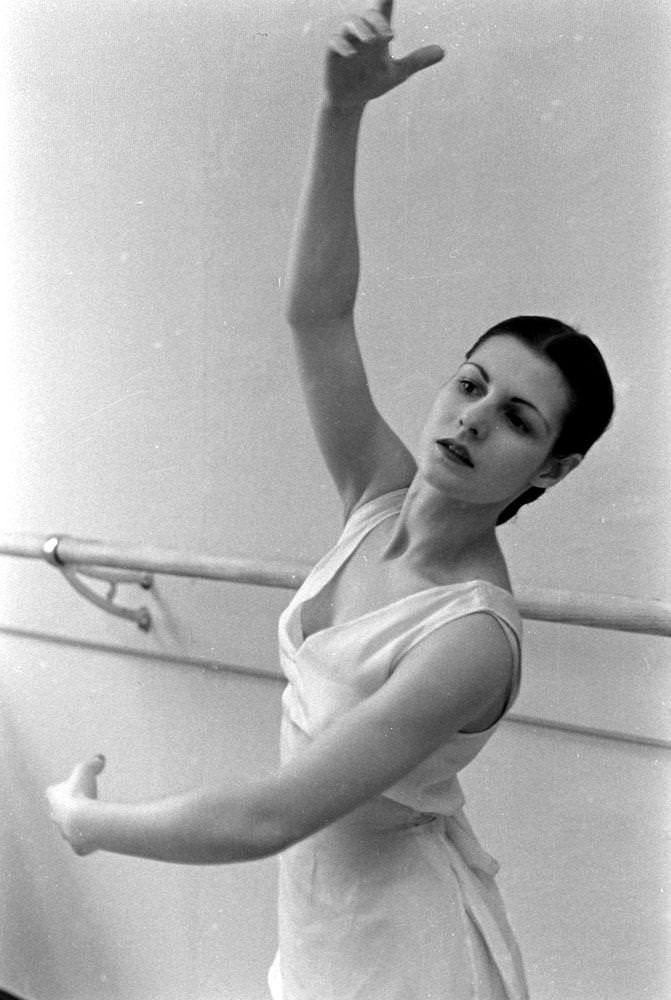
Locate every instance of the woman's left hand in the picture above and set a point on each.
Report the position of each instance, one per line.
(359, 67)
(66, 798)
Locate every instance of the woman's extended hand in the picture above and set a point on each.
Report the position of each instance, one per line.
(359, 66)
(66, 798)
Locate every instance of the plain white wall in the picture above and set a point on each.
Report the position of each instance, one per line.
(155, 152)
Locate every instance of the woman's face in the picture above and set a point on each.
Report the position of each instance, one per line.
(492, 427)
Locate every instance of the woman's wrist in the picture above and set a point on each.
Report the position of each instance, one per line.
(330, 106)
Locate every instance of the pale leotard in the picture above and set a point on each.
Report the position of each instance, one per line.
(397, 900)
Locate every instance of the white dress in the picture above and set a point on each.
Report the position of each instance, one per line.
(397, 900)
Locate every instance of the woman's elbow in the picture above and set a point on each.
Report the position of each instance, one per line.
(273, 829)
(304, 318)
(307, 313)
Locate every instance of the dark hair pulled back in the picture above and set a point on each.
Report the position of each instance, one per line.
(586, 376)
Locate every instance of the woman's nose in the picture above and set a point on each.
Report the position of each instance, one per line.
(474, 421)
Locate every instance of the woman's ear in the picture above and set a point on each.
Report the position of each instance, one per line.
(554, 470)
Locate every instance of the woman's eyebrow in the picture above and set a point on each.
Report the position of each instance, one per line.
(513, 399)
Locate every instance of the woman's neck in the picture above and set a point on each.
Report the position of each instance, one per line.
(434, 532)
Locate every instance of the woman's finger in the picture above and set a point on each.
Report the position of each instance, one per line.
(341, 46)
(420, 59)
(357, 30)
(82, 781)
(379, 24)
(386, 8)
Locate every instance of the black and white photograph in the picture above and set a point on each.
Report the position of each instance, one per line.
(335, 544)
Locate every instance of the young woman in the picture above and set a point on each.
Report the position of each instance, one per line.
(401, 649)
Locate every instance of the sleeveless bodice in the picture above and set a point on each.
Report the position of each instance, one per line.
(324, 905)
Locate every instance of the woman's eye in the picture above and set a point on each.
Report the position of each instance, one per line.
(518, 423)
(467, 386)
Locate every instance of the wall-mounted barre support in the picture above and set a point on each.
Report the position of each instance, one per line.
(113, 577)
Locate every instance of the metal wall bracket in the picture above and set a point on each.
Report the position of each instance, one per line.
(73, 574)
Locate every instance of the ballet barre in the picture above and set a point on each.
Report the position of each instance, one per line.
(76, 557)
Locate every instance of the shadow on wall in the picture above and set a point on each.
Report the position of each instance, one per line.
(45, 949)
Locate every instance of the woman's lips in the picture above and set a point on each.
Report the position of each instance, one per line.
(456, 452)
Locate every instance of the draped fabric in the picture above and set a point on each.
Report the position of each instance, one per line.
(396, 901)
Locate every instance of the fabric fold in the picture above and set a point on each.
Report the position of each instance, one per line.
(397, 900)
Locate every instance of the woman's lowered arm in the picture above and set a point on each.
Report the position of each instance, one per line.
(437, 689)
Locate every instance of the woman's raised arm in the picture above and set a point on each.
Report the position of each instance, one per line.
(364, 456)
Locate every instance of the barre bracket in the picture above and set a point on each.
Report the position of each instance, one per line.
(73, 573)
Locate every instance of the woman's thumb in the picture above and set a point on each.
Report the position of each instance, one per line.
(422, 58)
(83, 778)
(98, 763)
